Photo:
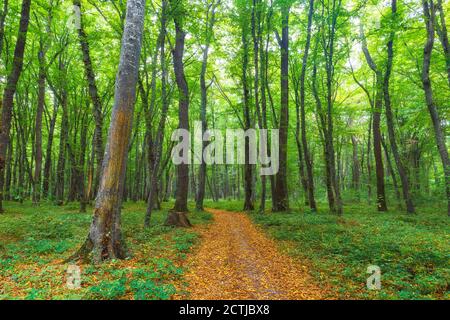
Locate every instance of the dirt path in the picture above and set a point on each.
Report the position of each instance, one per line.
(237, 261)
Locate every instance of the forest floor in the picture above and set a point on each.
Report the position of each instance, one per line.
(412, 251)
(231, 255)
(235, 260)
(35, 241)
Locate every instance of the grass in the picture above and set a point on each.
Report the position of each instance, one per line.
(34, 242)
(413, 252)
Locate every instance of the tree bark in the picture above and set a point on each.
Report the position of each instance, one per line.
(105, 239)
(323, 134)
(10, 90)
(48, 152)
(441, 30)
(93, 93)
(248, 172)
(329, 54)
(381, 193)
(182, 189)
(306, 154)
(3, 15)
(390, 119)
(63, 138)
(38, 126)
(210, 21)
(356, 169)
(157, 145)
(281, 203)
(429, 14)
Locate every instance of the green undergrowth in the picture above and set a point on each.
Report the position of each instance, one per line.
(35, 241)
(412, 251)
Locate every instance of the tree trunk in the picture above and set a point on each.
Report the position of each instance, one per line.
(369, 166)
(183, 110)
(323, 134)
(93, 93)
(248, 172)
(391, 172)
(356, 169)
(105, 236)
(429, 13)
(3, 15)
(281, 193)
(443, 36)
(329, 54)
(61, 165)
(304, 139)
(210, 21)
(390, 120)
(381, 193)
(82, 196)
(48, 152)
(38, 126)
(157, 145)
(10, 90)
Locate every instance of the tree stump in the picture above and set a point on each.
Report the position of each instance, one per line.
(177, 219)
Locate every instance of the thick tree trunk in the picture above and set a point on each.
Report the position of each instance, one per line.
(10, 90)
(429, 13)
(105, 236)
(183, 109)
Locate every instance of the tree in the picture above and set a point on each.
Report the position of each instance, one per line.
(441, 29)
(3, 14)
(430, 20)
(248, 170)
(378, 106)
(93, 92)
(304, 139)
(390, 117)
(10, 90)
(281, 202)
(156, 147)
(105, 239)
(177, 216)
(209, 26)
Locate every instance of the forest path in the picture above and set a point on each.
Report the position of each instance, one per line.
(235, 260)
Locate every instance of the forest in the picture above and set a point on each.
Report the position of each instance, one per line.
(348, 99)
